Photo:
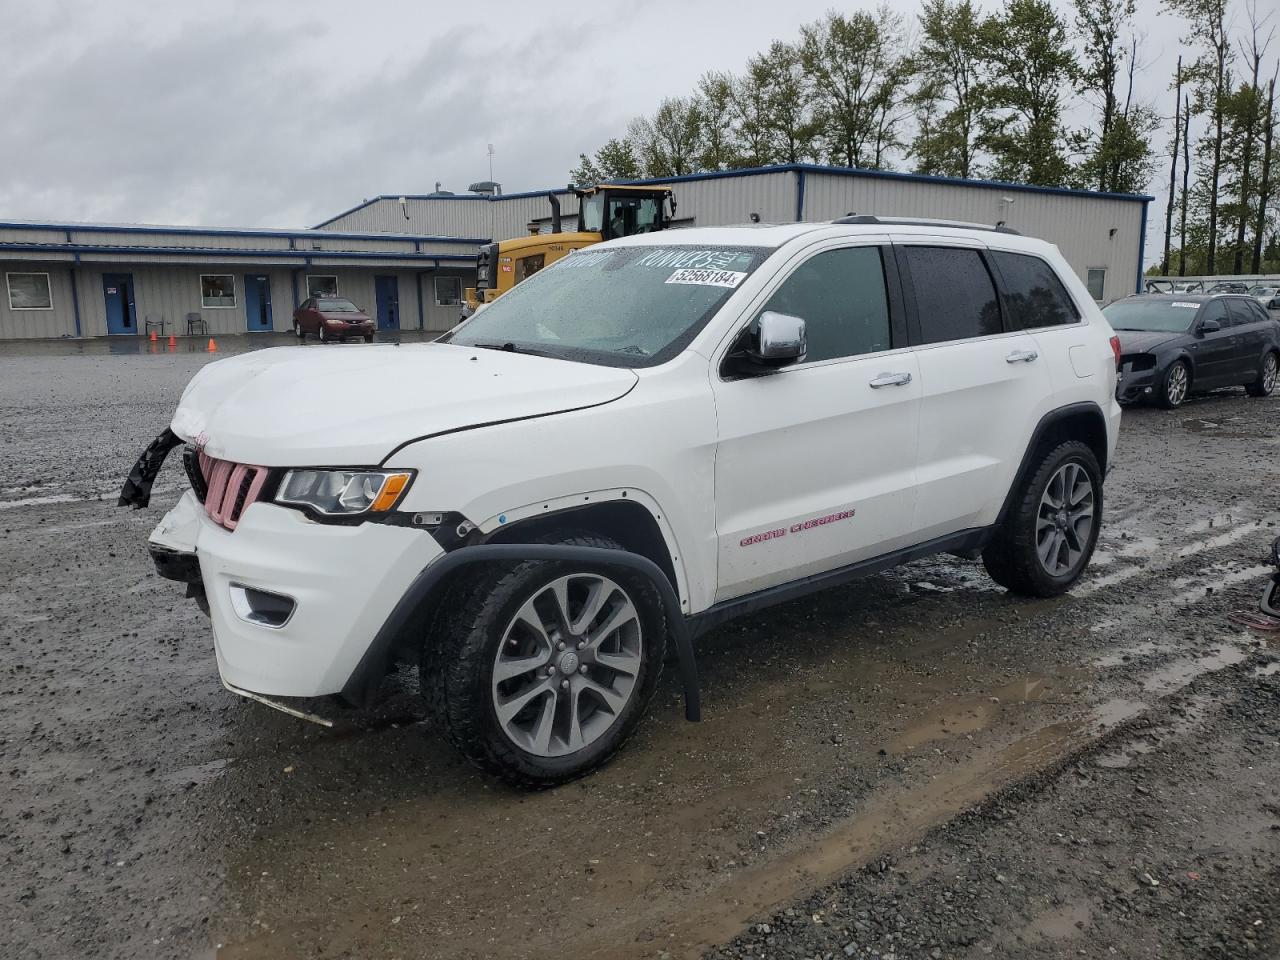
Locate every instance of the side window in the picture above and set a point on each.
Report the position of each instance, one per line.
(1033, 294)
(955, 297)
(840, 295)
(1215, 310)
(1240, 312)
(1260, 314)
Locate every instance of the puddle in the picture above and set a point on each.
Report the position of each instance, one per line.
(1213, 580)
(1118, 658)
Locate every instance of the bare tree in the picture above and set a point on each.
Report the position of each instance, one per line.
(1173, 166)
(1264, 189)
(1186, 173)
(1251, 119)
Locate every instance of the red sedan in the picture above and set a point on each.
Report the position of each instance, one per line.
(332, 318)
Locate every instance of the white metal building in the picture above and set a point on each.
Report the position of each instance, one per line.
(406, 260)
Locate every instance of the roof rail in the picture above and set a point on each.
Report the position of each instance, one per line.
(867, 218)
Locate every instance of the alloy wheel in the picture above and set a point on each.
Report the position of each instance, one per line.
(1270, 370)
(1177, 390)
(1064, 521)
(568, 665)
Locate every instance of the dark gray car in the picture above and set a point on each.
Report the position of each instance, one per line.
(1174, 344)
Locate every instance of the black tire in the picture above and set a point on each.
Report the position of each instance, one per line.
(1011, 558)
(1268, 373)
(1170, 397)
(368, 338)
(299, 332)
(458, 659)
(324, 337)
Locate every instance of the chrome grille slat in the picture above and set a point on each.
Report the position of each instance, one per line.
(229, 488)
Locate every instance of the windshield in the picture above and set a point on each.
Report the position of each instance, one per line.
(336, 306)
(1169, 316)
(620, 306)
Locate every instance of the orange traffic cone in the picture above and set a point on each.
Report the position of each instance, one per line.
(213, 345)
(173, 341)
(153, 336)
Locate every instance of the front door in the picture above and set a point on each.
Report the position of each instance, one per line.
(387, 292)
(117, 289)
(257, 302)
(1214, 350)
(815, 466)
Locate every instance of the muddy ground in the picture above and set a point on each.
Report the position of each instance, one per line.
(915, 766)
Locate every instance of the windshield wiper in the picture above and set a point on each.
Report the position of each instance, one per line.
(509, 347)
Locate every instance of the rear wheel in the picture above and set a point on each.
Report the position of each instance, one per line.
(544, 670)
(1174, 387)
(1048, 536)
(1268, 373)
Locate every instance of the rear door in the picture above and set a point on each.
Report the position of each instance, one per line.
(815, 466)
(1250, 324)
(983, 386)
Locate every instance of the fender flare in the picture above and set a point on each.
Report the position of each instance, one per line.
(1047, 422)
(370, 670)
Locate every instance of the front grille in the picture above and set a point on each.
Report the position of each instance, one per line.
(229, 487)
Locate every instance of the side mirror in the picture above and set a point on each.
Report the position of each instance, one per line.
(1208, 326)
(781, 339)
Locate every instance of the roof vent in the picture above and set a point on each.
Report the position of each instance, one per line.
(487, 188)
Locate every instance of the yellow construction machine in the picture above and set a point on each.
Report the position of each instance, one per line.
(605, 211)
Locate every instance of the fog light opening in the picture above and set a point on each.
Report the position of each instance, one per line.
(262, 607)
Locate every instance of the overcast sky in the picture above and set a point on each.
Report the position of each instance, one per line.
(281, 114)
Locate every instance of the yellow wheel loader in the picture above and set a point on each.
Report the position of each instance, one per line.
(605, 211)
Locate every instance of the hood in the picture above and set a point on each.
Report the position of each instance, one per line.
(294, 406)
(1144, 341)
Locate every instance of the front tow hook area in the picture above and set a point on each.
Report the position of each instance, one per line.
(136, 491)
(181, 567)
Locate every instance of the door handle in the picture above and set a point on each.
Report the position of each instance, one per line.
(1021, 356)
(890, 380)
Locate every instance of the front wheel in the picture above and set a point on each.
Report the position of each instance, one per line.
(324, 336)
(544, 670)
(299, 332)
(1048, 536)
(368, 338)
(1173, 390)
(1268, 372)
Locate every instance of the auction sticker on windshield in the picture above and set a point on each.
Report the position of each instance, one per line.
(710, 278)
(1185, 304)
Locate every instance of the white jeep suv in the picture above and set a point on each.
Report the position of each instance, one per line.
(643, 440)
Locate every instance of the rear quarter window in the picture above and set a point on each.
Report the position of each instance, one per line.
(1033, 295)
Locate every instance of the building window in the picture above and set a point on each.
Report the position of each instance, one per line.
(321, 286)
(29, 291)
(448, 291)
(217, 290)
(1096, 281)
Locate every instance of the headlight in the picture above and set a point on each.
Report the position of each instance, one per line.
(344, 492)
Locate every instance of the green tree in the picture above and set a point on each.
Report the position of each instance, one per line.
(1028, 66)
(718, 141)
(778, 83)
(1117, 148)
(669, 143)
(949, 95)
(856, 65)
(616, 160)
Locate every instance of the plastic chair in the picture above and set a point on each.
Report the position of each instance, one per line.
(195, 320)
(153, 320)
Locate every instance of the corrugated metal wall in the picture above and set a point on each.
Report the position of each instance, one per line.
(468, 217)
(1080, 226)
(170, 291)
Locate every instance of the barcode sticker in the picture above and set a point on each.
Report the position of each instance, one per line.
(708, 278)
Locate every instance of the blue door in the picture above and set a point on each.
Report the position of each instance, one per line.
(257, 302)
(387, 291)
(117, 288)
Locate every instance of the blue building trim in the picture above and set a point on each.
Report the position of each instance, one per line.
(75, 296)
(291, 235)
(207, 253)
(1142, 246)
(422, 320)
(799, 196)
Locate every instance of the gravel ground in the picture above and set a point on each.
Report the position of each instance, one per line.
(971, 772)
